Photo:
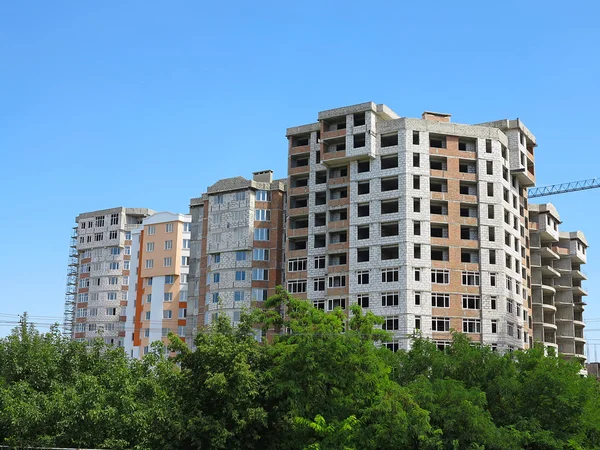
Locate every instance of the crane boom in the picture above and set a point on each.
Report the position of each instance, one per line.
(562, 188)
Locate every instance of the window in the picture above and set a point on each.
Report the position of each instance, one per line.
(259, 294)
(363, 210)
(185, 261)
(296, 286)
(471, 325)
(240, 275)
(490, 211)
(149, 298)
(169, 279)
(364, 187)
(215, 297)
(149, 247)
(262, 215)
(471, 302)
(82, 312)
(417, 251)
(167, 262)
(319, 262)
(168, 297)
(239, 196)
(263, 196)
(510, 305)
(260, 274)
(363, 300)
(112, 234)
(390, 323)
(493, 302)
(440, 300)
(168, 245)
(510, 329)
(216, 277)
(417, 299)
(417, 205)
(148, 316)
(113, 280)
(363, 277)
(440, 276)
(168, 228)
(494, 326)
(416, 228)
(470, 278)
(126, 265)
(240, 256)
(297, 265)
(492, 256)
(440, 324)
(113, 266)
(416, 160)
(98, 236)
(216, 258)
(260, 254)
(238, 296)
(151, 230)
(165, 332)
(417, 274)
(167, 314)
(389, 299)
(261, 234)
(99, 221)
(319, 284)
(336, 281)
(389, 275)
(336, 303)
(416, 182)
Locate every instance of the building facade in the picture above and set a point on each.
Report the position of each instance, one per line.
(100, 274)
(158, 293)
(237, 247)
(556, 281)
(421, 221)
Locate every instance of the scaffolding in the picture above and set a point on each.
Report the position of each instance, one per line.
(71, 287)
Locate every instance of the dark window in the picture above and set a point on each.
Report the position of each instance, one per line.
(359, 140)
(363, 187)
(364, 166)
(389, 162)
(363, 210)
(416, 160)
(362, 254)
(415, 138)
(389, 140)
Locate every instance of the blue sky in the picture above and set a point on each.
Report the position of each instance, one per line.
(146, 103)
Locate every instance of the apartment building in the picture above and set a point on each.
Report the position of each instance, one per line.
(421, 221)
(158, 291)
(237, 242)
(100, 273)
(557, 292)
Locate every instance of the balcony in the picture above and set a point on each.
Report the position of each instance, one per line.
(548, 252)
(298, 211)
(298, 170)
(325, 135)
(300, 150)
(550, 271)
(578, 290)
(578, 275)
(298, 232)
(298, 190)
(526, 177)
(560, 251)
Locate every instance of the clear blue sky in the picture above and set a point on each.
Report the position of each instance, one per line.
(147, 103)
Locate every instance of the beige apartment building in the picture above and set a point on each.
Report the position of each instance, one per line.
(158, 297)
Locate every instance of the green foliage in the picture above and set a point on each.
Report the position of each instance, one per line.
(321, 382)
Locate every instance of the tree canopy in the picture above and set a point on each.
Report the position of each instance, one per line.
(325, 383)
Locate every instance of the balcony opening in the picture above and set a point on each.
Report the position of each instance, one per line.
(320, 198)
(338, 172)
(338, 237)
(389, 162)
(362, 254)
(437, 207)
(359, 140)
(364, 187)
(338, 259)
(299, 182)
(389, 252)
(389, 229)
(339, 124)
(467, 256)
(437, 141)
(438, 185)
(438, 164)
(321, 177)
(299, 162)
(320, 219)
(338, 214)
(297, 244)
(469, 233)
(389, 140)
(335, 145)
(364, 166)
(336, 194)
(362, 232)
(439, 253)
(319, 240)
(300, 141)
(467, 188)
(416, 138)
(389, 207)
(298, 202)
(439, 231)
(359, 119)
(467, 166)
(467, 145)
(298, 223)
(468, 211)
(363, 210)
(389, 184)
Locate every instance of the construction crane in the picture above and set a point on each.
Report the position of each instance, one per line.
(563, 188)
